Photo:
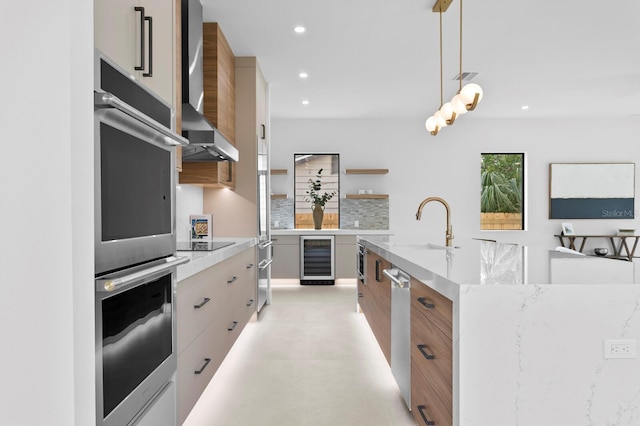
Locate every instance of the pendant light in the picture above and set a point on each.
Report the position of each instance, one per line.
(467, 97)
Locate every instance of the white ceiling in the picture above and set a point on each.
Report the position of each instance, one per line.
(380, 58)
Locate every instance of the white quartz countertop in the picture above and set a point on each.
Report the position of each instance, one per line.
(201, 260)
(476, 262)
(310, 231)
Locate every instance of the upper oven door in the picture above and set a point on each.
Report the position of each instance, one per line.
(134, 192)
(134, 171)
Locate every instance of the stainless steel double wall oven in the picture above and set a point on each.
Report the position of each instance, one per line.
(135, 245)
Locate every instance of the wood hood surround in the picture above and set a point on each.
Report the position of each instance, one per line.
(219, 108)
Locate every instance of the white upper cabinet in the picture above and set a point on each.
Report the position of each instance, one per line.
(148, 55)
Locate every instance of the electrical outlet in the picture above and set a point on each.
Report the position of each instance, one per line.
(620, 348)
(357, 224)
(276, 223)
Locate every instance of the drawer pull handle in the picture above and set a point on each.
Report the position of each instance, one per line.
(250, 302)
(428, 305)
(206, 362)
(232, 280)
(249, 266)
(201, 304)
(421, 409)
(232, 326)
(425, 353)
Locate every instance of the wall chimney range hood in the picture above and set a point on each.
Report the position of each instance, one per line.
(206, 143)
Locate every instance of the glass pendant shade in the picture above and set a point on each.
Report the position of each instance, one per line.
(458, 105)
(431, 124)
(448, 113)
(440, 120)
(469, 91)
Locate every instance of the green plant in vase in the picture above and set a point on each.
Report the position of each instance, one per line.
(318, 199)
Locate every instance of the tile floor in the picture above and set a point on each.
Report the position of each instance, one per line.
(310, 360)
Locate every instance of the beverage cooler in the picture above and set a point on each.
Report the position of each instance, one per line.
(317, 260)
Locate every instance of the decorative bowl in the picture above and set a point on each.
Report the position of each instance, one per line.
(600, 251)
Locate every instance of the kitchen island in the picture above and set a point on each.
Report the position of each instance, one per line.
(526, 333)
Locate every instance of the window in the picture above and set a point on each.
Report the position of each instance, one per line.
(502, 191)
(306, 168)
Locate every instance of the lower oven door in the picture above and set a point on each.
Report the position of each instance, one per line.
(135, 338)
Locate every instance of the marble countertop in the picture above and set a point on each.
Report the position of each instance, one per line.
(330, 232)
(201, 260)
(476, 262)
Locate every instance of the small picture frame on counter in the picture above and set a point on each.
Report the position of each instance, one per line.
(567, 229)
(201, 227)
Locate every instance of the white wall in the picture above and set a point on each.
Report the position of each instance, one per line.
(448, 165)
(188, 201)
(46, 220)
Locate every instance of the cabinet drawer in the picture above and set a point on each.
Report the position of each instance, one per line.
(200, 299)
(210, 345)
(433, 306)
(429, 403)
(432, 355)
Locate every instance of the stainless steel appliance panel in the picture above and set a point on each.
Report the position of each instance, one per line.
(317, 259)
(264, 224)
(135, 338)
(401, 330)
(134, 172)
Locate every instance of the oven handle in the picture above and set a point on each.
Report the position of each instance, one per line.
(264, 263)
(111, 284)
(265, 244)
(107, 100)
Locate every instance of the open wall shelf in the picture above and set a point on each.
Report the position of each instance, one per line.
(366, 171)
(368, 196)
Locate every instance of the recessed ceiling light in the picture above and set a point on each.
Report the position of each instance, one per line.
(524, 107)
(299, 29)
(303, 75)
(305, 102)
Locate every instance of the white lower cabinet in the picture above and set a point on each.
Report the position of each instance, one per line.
(286, 256)
(346, 251)
(213, 308)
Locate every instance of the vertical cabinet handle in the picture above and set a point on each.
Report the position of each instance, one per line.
(150, 73)
(428, 305)
(263, 134)
(201, 304)
(425, 353)
(232, 326)
(378, 271)
(232, 280)
(206, 362)
(142, 43)
(421, 409)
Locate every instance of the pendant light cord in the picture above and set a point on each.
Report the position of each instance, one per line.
(441, 93)
(460, 76)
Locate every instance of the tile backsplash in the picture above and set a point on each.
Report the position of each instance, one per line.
(370, 214)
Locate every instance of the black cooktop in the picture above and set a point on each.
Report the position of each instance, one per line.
(202, 245)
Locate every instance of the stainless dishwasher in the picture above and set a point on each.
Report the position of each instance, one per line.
(401, 330)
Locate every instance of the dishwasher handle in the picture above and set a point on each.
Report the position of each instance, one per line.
(398, 277)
